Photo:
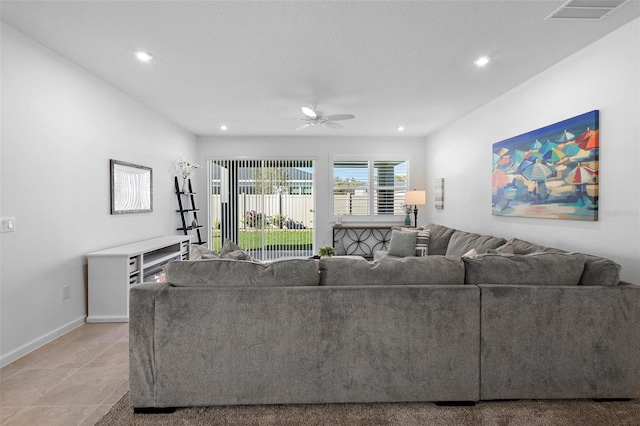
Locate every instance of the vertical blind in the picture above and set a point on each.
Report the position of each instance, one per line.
(265, 206)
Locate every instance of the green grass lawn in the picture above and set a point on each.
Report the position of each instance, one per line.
(283, 239)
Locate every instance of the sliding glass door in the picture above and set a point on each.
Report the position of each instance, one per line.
(266, 206)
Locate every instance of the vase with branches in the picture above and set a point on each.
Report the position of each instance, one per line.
(185, 168)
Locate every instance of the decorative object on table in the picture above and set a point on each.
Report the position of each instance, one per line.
(185, 168)
(131, 188)
(327, 251)
(416, 198)
(407, 212)
(439, 194)
(551, 173)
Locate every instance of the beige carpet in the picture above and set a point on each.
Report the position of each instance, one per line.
(556, 413)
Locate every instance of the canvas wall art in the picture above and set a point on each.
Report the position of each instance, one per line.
(550, 172)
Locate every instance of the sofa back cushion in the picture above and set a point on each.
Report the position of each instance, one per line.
(599, 270)
(412, 270)
(525, 247)
(438, 238)
(240, 273)
(532, 269)
(461, 242)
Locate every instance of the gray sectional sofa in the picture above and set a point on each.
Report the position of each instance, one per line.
(519, 321)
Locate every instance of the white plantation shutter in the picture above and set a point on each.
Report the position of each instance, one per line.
(390, 185)
(369, 187)
(351, 188)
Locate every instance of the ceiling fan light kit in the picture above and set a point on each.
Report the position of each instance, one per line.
(312, 117)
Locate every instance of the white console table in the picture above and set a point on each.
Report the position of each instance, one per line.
(113, 271)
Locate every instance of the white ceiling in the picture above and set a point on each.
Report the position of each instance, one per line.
(252, 65)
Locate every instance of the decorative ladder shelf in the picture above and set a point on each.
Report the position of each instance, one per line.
(185, 212)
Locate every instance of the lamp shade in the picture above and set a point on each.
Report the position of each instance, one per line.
(414, 197)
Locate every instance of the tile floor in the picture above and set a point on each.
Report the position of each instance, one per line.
(73, 380)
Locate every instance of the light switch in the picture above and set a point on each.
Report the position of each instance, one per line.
(8, 224)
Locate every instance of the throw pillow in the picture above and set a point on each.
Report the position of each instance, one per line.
(422, 242)
(237, 255)
(228, 247)
(402, 243)
(200, 252)
(471, 253)
(507, 248)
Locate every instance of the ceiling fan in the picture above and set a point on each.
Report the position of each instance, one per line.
(314, 117)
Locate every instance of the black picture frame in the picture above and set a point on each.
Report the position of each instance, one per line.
(131, 188)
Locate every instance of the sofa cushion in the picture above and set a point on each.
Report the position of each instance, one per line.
(461, 242)
(402, 243)
(532, 269)
(599, 271)
(506, 248)
(411, 270)
(228, 246)
(235, 255)
(438, 238)
(525, 247)
(241, 273)
(198, 252)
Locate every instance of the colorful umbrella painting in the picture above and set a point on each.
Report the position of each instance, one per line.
(537, 171)
(551, 172)
(588, 140)
(499, 179)
(571, 149)
(565, 137)
(547, 147)
(554, 155)
(581, 174)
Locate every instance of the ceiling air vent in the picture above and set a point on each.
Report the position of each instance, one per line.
(586, 9)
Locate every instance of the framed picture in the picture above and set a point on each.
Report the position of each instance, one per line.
(550, 172)
(439, 194)
(131, 188)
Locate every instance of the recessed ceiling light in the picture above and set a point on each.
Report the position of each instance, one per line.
(223, 127)
(401, 129)
(144, 56)
(482, 61)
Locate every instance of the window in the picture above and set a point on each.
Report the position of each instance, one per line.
(368, 186)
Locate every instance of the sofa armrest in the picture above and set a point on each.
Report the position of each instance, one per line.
(142, 300)
(541, 342)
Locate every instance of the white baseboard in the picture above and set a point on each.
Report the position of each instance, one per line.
(40, 341)
(107, 318)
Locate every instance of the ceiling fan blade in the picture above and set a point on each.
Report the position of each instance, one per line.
(333, 124)
(337, 117)
(309, 112)
(304, 126)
